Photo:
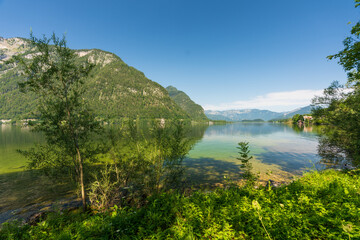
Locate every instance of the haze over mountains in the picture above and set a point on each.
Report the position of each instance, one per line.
(251, 114)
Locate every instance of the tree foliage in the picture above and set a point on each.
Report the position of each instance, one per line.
(339, 107)
(53, 74)
(297, 117)
(141, 162)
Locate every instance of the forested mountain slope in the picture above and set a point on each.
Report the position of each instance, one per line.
(114, 90)
(195, 111)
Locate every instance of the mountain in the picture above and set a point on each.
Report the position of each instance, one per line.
(251, 114)
(195, 111)
(301, 111)
(114, 89)
(239, 115)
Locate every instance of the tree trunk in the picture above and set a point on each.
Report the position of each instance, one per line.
(83, 195)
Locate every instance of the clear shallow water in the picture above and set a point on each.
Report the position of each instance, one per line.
(281, 149)
(13, 138)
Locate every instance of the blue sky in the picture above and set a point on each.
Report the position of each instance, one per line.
(224, 54)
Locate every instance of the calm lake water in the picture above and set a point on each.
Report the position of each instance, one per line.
(13, 138)
(280, 151)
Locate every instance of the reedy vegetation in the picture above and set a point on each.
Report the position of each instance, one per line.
(140, 163)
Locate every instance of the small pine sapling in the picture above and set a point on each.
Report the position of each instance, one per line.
(246, 166)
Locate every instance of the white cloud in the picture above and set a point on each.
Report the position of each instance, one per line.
(276, 101)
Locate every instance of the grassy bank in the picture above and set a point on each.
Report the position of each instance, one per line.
(320, 205)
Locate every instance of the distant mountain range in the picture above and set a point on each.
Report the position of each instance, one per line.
(251, 114)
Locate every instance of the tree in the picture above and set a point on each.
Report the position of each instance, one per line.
(339, 111)
(349, 57)
(339, 107)
(244, 157)
(55, 76)
(296, 118)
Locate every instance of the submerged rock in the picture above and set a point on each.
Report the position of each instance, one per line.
(33, 213)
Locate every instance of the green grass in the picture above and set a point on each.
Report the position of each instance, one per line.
(320, 205)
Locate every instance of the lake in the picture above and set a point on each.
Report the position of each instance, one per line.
(13, 138)
(280, 151)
